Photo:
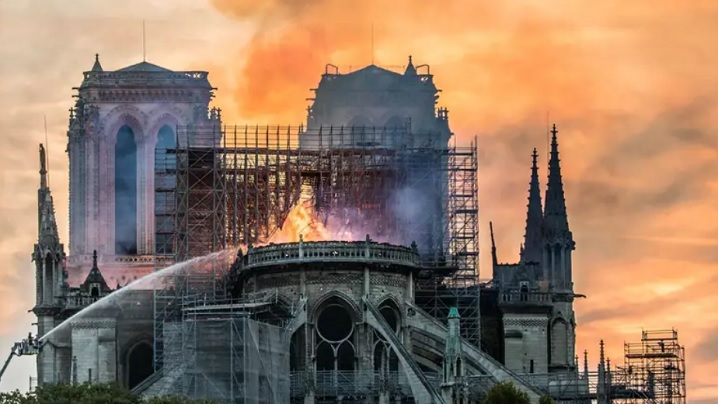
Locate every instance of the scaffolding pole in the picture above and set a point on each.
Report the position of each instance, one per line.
(236, 185)
(655, 368)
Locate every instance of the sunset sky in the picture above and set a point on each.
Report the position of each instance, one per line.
(632, 87)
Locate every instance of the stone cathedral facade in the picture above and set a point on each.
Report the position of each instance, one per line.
(119, 119)
(118, 228)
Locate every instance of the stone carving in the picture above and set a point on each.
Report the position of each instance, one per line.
(514, 322)
(95, 324)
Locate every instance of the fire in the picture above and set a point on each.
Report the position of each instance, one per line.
(301, 220)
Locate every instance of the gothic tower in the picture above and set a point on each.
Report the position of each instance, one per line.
(121, 127)
(558, 246)
(373, 107)
(536, 294)
(49, 257)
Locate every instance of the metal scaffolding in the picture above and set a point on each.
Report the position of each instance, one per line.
(653, 372)
(235, 186)
(655, 369)
(436, 295)
(229, 357)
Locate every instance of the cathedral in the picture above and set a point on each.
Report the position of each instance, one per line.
(349, 306)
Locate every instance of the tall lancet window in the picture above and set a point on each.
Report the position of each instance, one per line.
(125, 192)
(48, 282)
(165, 185)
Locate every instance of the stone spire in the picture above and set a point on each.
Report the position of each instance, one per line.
(47, 225)
(97, 67)
(531, 251)
(48, 253)
(43, 168)
(453, 387)
(555, 216)
(410, 69)
(94, 277)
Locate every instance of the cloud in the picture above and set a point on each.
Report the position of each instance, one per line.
(708, 348)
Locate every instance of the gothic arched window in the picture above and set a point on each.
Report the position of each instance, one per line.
(335, 349)
(165, 186)
(125, 192)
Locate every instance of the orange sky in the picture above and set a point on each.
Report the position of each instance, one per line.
(631, 85)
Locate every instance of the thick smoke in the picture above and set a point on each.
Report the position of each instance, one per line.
(409, 216)
(413, 210)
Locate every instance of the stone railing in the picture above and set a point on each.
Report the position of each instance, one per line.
(123, 259)
(270, 296)
(190, 78)
(78, 302)
(331, 251)
(519, 297)
(348, 383)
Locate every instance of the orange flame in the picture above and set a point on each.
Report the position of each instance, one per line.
(301, 220)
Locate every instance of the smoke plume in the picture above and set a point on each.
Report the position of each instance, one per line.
(630, 85)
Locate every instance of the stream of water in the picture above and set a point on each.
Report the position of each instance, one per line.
(225, 257)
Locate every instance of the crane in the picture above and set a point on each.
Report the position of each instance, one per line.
(28, 346)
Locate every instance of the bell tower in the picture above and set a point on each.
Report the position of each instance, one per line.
(123, 125)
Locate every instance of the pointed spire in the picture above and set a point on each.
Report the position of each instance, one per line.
(534, 217)
(48, 235)
(43, 168)
(97, 67)
(494, 258)
(95, 276)
(94, 261)
(410, 69)
(585, 363)
(555, 216)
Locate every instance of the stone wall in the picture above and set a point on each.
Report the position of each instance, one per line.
(94, 346)
(526, 340)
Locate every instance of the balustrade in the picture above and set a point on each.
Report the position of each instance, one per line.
(350, 382)
(75, 302)
(340, 251)
(520, 297)
(193, 78)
